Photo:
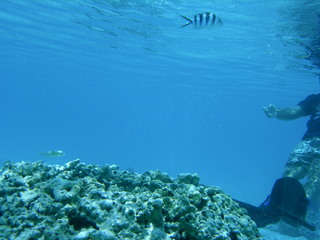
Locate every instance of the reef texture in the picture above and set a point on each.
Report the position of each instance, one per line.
(79, 201)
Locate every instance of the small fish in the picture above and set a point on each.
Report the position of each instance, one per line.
(55, 153)
(201, 20)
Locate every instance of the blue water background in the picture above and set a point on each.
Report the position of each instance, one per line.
(118, 82)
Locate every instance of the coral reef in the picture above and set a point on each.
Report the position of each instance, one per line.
(79, 201)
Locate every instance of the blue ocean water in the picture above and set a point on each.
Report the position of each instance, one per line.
(119, 82)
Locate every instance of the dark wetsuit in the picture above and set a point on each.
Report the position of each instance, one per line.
(311, 107)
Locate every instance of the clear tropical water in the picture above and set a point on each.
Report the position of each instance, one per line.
(119, 82)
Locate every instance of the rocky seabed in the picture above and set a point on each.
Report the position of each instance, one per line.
(79, 201)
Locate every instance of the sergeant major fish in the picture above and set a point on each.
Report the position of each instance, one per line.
(201, 20)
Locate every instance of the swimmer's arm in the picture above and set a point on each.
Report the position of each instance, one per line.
(284, 113)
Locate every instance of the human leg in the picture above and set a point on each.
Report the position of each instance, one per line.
(294, 171)
(312, 186)
(299, 161)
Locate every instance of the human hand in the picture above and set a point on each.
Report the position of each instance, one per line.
(270, 111)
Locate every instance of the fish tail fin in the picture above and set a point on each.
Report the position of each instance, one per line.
(188, 23)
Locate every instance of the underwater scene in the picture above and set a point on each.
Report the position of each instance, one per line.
(160, 119)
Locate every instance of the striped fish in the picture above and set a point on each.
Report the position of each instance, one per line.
(203, 20)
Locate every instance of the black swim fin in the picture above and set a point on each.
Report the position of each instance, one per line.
(287, 202)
